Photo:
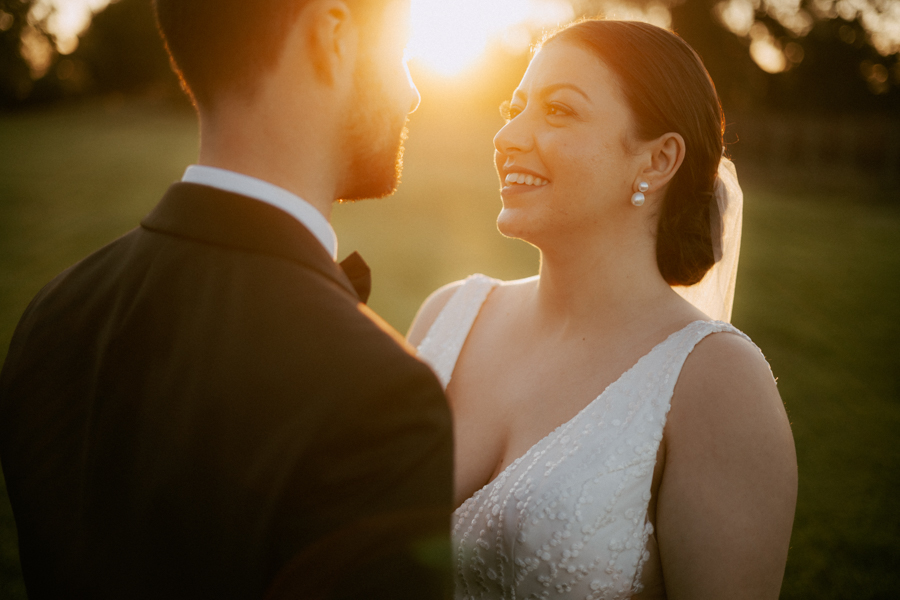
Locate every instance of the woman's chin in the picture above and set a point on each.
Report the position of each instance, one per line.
(512, 223)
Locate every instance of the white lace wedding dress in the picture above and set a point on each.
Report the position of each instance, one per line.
(569, 518)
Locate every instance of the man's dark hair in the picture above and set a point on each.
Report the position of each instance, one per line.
(216, 45)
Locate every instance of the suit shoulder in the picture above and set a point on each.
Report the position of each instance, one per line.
(279, 308)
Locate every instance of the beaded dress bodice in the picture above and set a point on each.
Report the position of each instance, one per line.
(568, 519)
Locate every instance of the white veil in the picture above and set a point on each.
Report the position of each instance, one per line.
(714, 295)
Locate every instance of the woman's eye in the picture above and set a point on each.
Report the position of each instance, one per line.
(508, 111)
(557, 110)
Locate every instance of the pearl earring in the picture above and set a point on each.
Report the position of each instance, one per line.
(638, 197)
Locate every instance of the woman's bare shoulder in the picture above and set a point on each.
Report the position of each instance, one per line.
(728, 421)
(726, 377)
(729, 363)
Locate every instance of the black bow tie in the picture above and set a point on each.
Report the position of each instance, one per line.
(357, 271)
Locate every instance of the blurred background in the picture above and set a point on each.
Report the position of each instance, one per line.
(94, 127)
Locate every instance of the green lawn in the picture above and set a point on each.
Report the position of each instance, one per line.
(818, 291)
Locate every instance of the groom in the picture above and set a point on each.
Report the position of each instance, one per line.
(205, 408)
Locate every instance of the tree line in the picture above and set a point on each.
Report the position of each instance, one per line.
(832, 68)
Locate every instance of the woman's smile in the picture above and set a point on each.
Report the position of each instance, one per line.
(517, 181)
(523, 179)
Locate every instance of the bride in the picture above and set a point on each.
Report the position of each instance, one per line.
(679, 479)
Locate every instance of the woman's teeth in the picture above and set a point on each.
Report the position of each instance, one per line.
(522, 178)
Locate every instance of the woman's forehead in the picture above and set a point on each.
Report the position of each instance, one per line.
(562, 64)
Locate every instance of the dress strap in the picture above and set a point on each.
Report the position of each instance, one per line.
(702, 329)
(445, 340)
(683, 343)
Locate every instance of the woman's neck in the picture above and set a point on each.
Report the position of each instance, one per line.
(596, 286)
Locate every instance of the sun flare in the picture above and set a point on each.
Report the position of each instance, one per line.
(446, 36)
(449, 37)
(67, 19)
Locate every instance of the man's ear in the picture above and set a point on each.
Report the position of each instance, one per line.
(331, 38)
(666, 153)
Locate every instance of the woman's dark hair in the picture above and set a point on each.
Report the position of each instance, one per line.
(668, 90)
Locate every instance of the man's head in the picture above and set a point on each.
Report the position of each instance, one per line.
(305, 66)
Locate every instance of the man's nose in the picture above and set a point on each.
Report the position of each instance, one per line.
(415, 96)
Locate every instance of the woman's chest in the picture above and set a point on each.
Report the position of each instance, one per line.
(500, 413)
(506, 399)
(569, 516)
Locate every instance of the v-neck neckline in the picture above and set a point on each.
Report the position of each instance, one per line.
(567, 424)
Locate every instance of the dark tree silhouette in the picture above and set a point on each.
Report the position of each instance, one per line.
(739, 81)
(16, 83)
(839, 71)
(122, 51)
(833, 71)
(833, 66)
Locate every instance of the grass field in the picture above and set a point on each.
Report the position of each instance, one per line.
(818, 291)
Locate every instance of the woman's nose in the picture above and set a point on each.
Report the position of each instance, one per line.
(513, 137)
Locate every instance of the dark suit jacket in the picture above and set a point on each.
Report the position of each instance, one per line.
(204, 407)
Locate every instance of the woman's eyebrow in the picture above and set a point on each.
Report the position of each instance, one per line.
(547, 90)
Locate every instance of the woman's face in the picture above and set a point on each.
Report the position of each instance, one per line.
(570, 137)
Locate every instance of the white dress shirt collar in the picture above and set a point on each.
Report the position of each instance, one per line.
(273, 195)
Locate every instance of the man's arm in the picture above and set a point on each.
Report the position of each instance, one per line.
(379, 480)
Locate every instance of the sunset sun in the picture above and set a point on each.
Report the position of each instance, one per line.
(449, 37)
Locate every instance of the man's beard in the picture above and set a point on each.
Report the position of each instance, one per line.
(373, 141)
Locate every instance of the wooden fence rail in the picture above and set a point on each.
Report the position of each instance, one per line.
(818, 150)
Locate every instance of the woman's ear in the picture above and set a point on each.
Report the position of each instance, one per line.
(666, 153)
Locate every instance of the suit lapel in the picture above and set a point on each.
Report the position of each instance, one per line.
(217, 217)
